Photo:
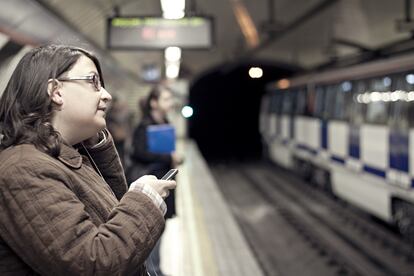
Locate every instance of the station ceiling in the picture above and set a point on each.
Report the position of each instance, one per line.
(303, 33)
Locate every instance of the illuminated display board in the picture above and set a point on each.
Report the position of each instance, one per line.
(159, 33)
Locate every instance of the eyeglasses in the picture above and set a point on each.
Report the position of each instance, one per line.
(94, 79)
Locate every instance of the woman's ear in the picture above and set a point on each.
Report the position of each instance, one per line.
(53, 89)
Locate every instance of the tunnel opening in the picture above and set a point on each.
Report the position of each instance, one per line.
(226, 103)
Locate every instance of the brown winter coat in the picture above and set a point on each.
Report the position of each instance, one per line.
(59, 217)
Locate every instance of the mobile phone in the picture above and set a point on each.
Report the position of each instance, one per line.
(170, 174)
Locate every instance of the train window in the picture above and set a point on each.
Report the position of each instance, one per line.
(287, 103)
(377, 112)
(301, 103)
(357, 108)
(265, 107)
(279, 101)
(310, 102)
(349, 96)
(329, 105)
(274, 102)
(402, 107)
(409, 97)
(320, 102)
(410, 114)
(376, 100)
(343, 99)
(404, 82)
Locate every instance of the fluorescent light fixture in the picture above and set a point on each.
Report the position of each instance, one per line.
(172, 69)
(246, 23)
(173, 9)
(255, 72)
(187, 111)
(172, 54)
(410, 78)
(283, 84)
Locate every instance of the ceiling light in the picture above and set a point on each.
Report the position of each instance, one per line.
(172, 54)
(255, 72)
(173, 9)
(283, 84)
(410, 78)
(187, 111)
(246, 23)
(172, 69)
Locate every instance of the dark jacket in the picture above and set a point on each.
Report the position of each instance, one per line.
(146, 162)
(59, 217)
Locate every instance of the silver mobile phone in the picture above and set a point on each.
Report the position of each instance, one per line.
(170, 174)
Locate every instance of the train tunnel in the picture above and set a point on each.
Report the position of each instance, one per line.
(226, 103)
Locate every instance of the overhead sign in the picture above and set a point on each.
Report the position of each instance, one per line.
(131, 33)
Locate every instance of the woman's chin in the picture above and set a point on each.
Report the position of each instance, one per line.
(100, 124)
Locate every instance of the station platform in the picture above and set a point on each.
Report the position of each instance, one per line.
(204, 238)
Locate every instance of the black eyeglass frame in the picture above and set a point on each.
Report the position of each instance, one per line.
(94, 79)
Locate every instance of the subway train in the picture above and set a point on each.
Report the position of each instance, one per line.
(349, 131)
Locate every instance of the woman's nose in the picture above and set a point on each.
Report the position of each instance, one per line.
(105, 95)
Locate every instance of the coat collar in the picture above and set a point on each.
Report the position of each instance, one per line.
(70, 156)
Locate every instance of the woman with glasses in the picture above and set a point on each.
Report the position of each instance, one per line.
(65, 205)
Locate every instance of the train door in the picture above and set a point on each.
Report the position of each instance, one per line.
(264, 121)
(340, 98)
(320, 96)
(271, 124)
(321, 172)
(361, 178)
(281, 152)
(302, 150)
(401, 154)
(399, 124)
(300, 125)
(340, 112)
(264, 116)
(313, 124)
(373, 194)
(276, 107)
(356, 113)
(274, 141)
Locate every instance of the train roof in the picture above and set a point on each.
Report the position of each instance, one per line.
(385, 66)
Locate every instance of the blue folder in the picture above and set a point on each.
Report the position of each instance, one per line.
(161, 138)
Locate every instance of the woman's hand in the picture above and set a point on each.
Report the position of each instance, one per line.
(162, 187)
(177, 159)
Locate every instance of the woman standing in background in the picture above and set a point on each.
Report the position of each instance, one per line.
(155, 108)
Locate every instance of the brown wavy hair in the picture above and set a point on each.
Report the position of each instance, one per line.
(26, 109)
(155, 93)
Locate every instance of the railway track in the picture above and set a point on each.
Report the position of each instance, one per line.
(297, 230)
